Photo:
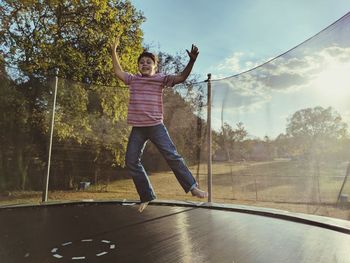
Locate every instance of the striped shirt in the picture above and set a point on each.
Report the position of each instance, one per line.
(146, 98)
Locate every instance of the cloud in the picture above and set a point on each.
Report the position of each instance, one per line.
(285, 74)
(232, 63)
(240, 94)
(236, 63)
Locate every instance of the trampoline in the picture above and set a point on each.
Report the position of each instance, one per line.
(115, 231)
(264, 152)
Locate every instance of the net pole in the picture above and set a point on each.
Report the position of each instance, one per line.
(46, 190)
(344, 181)
(209, 142)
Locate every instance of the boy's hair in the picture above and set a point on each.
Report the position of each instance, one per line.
(148, 55)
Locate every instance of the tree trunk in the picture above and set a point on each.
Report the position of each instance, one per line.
(97, 174)
(22, 168)
(2, 172)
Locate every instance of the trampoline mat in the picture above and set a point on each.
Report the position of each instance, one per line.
(115, 232)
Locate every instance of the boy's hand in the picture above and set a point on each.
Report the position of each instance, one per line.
(179, 78)
(115, 44)
(115, 60)
(117, 37)
(194, 53)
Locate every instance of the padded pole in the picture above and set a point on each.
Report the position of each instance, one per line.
(46, 190)
(209, 142)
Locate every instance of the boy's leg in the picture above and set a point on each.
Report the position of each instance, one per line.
(136, 145)
(161, 139)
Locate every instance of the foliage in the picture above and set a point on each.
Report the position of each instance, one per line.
(316, 131)
(230, 141)
(18, 131)
(90, 133)
(73, 36)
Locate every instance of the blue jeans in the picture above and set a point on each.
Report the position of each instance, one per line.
(160, 137)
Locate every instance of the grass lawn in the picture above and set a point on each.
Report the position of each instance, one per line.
(282, 184)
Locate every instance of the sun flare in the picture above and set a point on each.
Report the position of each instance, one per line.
(333, 83)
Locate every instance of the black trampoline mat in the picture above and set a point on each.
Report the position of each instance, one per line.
(113, 232)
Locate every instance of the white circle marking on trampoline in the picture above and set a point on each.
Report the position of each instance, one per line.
(55, 250)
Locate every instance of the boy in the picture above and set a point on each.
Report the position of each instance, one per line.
(145, 115)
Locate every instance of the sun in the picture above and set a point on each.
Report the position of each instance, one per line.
(333, 83)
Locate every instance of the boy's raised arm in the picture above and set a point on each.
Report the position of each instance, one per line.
(116, 64)
(187, 70)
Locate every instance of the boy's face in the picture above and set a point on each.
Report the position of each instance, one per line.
(147, 67)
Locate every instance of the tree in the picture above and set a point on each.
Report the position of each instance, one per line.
(283, 144)
(73, 36)
(316, 131)
(15, 135)
(230, 140)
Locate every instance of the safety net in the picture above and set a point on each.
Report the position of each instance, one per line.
(281, 130)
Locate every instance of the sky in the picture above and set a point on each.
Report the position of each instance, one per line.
(235, 36)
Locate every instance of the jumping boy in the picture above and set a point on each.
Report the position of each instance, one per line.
(145, 115)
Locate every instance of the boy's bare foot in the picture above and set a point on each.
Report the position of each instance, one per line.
(143, 206)
(199, 193)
